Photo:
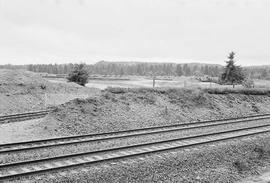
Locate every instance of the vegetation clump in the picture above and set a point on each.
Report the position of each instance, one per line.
(244, 91)
(233, 74)
(248, 83)
(197, 93)
(240, 166)
(79, 75)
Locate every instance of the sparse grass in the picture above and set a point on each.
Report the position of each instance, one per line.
(138, 94)
(261, 151)
(245, 91)
(116, 90)
(179, 82)
(198, 93)
(240, 166)
(262, 83)
(181, 96)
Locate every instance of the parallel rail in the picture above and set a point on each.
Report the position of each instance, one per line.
(24, 116)
(33, 167)
(79, 139)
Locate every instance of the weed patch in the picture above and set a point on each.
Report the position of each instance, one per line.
(245, 91)
(240, 166)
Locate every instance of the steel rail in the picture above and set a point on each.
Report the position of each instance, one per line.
(137, 129)
(31, 145)
(124, 152)
(12, 117)
(26, 113)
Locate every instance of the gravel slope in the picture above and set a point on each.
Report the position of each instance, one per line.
(118, 109)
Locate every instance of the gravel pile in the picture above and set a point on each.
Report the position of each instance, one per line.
(121, 109)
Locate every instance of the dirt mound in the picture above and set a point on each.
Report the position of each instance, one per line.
(121, 109)
(16, 81)
(9, 77)
(22, 91)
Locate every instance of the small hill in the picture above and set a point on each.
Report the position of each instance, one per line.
(16, 81)
(22, 91)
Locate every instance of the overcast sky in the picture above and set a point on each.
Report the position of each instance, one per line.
(62, 31)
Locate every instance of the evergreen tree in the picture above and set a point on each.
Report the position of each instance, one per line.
(232, 74)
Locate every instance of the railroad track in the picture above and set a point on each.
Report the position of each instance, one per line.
(88, 138)
(33, 167)
(24, 116)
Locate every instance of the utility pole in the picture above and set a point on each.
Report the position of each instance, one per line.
(154, 81)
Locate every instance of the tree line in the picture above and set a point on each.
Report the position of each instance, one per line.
(143, 69)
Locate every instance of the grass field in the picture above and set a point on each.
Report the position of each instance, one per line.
(176, 82)
(262, 83)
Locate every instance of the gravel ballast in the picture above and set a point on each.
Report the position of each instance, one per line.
(222, 162)
(99, 145)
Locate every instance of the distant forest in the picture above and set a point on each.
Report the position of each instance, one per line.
(144, 69)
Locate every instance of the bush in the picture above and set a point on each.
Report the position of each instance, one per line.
(248, 83)
(246, 91)
(43, 86)
(240, 166)
(260, 151)
(116, 90)
(79, 75)
(198, 96)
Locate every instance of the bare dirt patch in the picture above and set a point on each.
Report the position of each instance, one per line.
(23, 131)
(263, 178)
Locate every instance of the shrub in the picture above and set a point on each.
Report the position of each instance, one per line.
(198, 96)
(43, 86)
(260, 151)
(79, 75)
(240, 166)
(116, 90)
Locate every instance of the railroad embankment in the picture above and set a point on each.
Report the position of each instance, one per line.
(22, 91)
(121, 109)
